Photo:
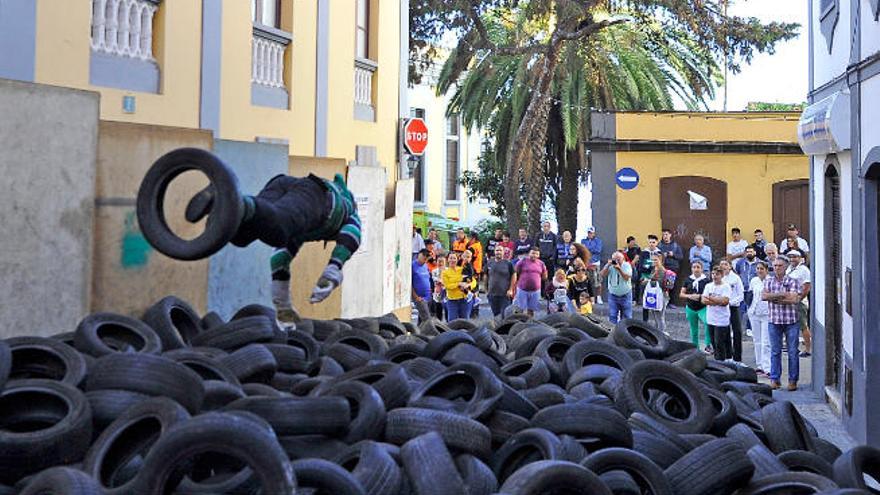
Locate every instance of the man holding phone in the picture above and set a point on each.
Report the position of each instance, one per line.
(618, 272)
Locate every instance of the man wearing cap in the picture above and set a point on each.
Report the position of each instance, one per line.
(594, 244)
(799, 271)
(782, 294)
(796, 242)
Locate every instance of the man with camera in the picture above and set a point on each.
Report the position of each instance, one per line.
(618, 272)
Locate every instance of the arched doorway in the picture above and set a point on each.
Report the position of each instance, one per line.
(685, 223)
(833, 278)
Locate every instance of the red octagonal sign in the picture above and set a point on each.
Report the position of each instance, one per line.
(415, 136)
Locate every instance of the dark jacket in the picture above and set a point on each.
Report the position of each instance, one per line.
(547, 244)
(672, 262)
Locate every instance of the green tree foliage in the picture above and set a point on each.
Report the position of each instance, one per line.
(530, 70)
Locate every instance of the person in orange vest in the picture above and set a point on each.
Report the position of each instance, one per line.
(460, 243)
(476, 247)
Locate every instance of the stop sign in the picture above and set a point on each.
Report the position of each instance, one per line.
(415, 136)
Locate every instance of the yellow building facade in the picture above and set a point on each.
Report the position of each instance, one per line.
(697, 173)
(270, 86)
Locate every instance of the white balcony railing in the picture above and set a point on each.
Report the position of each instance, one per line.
(363, 81)
(267, 61)
(123, 27)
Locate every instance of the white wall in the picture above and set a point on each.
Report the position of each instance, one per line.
(817, 247)
(870, 31)
(362, 293)
(827, 66)
(846, 244)
(870, 99)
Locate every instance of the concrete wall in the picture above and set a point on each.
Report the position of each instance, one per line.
(47, 172)
(365, 268)
(129, 275)
(241, 276)
(696, 126)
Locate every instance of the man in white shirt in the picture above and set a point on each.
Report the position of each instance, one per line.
(737, 247)
(797, 242)
(759, 315)
(716, 296)
(737, 293)
(418, 243)
(799, 271)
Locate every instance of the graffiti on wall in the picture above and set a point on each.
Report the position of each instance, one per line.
(134, 250)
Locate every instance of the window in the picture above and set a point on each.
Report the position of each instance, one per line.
(362, 33)
(453, 168)
(418, 173)
(266, 12)
(829, 12)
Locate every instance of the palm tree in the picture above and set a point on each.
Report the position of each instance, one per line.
(622, 67)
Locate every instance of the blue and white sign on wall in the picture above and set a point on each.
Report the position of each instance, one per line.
(627, 178)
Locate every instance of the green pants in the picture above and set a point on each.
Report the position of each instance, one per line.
(694, 318)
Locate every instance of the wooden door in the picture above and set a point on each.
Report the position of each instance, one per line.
(676, 213)
(833, 279)
(791, 204)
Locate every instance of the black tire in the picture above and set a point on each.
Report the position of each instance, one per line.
(218, 394)
(61, 481)
(325, 477)
(715, 468)
(206, 367)
(693, 361)
(211, 320)
(651, 425)
(438, 346)
(478, 477)
(467, 353)
(460, 433)
(636, 334)
(41, 358)
(527, 446)
(130, 436)
(354, 348)
(306, 343)
(389, 380)
(504, 425)
(594, 352)
(765, 462)
(826, 450)
(580, 420)
(367, 410)
(527, 372)
(284, 382)
(430, 467)
(324, 367)
(240, 438)
(632, 395)
(261, 390)
(403, 352)
(299, 415)
(553, 477)
(251, 363)
(482, 338)
(552, 351)
(719, 372)
(799, 460)
(584, 390)
(470, 389)
(237, 333)
(108, 405)
(373, 467)
(744, 436)
(788, 482)
(225, 213)
(312, 446)
(746, 374)
(545, 395)
(592, 373)
(45, 423)
(5, 363)
(725, 412)
(784, 427)
(620, 483)
(644, 472)
(149, 375)
(174, 321)
(851, 467)
(422, 368)
(100, 334)
(514, 402)
(572, 449)
(662, 452)
(591, 325)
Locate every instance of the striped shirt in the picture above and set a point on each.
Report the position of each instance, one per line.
(782, 313)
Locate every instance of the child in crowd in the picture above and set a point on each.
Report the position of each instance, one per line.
(716, 296)
(439, 294)
(559, 300)
(586, 307)
(508, 246)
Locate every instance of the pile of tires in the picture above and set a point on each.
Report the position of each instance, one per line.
(180, 403)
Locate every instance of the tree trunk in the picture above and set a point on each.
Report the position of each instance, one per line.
(567, 204)
(527, 145)
(512, 196)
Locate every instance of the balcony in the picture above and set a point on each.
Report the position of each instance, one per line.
(122, 45)
(267, 67)
(364, 107)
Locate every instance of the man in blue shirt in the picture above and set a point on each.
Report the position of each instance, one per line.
(594, 244)
(421, 284)
(701, 253)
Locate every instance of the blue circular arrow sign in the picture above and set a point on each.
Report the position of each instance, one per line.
(627, 178)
